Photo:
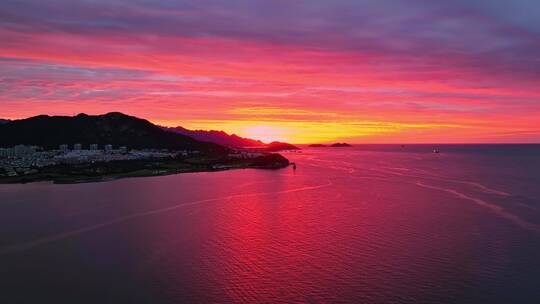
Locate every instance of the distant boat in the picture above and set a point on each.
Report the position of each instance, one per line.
(436, 150)
(293, 166)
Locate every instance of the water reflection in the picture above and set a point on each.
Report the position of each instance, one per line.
(347, 226)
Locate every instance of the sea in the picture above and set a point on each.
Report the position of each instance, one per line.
(366, 224)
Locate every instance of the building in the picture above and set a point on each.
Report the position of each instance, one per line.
(123, 149)
(22, 150)
(77, 147)
(94, 147)
(18, 151)
(63, 147)
(5, 153)
(108, 148)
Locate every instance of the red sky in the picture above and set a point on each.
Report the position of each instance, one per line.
(299, 71)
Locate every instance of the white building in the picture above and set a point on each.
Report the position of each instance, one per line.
(17, 151)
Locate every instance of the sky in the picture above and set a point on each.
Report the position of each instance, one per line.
(303, 71)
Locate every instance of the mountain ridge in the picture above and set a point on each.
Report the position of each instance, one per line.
(113, 128)
(231, 140)
(218, 137)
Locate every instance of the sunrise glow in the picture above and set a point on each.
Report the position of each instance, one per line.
(266, 133)
(321, 72)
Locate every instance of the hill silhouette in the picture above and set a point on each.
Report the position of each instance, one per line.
(114, 128)
(218, 137)
(233, 141)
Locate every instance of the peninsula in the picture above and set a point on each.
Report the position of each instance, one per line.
(87, 148)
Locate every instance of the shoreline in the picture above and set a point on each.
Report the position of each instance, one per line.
(108, 178)
(103, 172)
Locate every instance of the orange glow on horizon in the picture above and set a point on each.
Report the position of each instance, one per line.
(265, 134)
(331, 132)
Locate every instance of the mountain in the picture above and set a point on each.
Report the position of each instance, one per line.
(233, 141)
(114, 128)
(218, 137)
(4, 121)
(277, 146)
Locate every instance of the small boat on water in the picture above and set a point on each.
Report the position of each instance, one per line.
(293, 166)
(436, 150)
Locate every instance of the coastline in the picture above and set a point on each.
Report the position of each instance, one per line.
(91, 173)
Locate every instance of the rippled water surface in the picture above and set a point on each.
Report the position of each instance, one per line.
(375, 224)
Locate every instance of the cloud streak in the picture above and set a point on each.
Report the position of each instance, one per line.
(471, 65)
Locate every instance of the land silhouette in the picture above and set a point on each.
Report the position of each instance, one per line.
(100, 147)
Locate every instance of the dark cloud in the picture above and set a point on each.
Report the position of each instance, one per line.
(495, 36)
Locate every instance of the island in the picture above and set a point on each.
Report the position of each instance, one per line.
(87, 148)
(277, 146)
(336, 145)
(317, 146)
(340, 145)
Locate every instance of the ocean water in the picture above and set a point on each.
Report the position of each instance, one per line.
(370, 224)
